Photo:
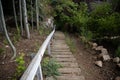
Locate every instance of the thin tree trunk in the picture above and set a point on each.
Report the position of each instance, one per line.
(15, 17)
(32, 14)
(37, 15)
(21, 24)
(5, 30)
(1, 27)
(25, 19)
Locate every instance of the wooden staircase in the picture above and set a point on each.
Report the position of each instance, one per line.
(62, 54)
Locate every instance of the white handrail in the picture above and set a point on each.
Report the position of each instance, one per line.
(35, 66)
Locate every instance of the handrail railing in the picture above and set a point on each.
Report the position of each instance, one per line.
(35, 66)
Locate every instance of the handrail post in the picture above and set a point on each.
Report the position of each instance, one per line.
(39, 73)
(49, 49)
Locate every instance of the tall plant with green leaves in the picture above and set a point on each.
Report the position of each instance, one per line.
(50, 67)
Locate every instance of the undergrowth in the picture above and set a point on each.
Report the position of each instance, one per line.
(70, 43)
(20, 66)
(50, 67)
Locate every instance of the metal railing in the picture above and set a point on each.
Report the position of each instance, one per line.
(35, 66)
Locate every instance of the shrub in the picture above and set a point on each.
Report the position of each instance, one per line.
(20, 65)
(103, 21)
(101, 10)
(1, 50)
(50, 67)
(70, 43)
(86, 34)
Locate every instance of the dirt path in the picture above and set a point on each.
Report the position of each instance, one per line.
(86, 59)
(62, 54)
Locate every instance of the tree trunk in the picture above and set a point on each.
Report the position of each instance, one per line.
(21, 23)
(32, 13)
(15, 17)
(25, 19)
(5, 30)
(37, 15)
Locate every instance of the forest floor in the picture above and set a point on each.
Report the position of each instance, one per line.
(23, 46)
(86, 58)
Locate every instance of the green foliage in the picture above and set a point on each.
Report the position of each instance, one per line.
(70, 43)
(101, 10)
(5, 41)
(1, 50)
(44, 31)
(65, 10)
(103, 21)
(87, 35)
(20, 65)
(50, 67)
(118, 51)
(16, 36)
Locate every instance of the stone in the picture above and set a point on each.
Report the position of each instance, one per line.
(118, 65)
(101, 55)
(94, 45)
(116, 59)
(99, 63)
(117, 78)
(104, 51)
(7, 46)
(90, 43)
(106, 58)
(99, 48)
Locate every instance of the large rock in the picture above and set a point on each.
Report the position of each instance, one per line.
(116, 59)
(99, 48)
(104, 51)
(99, 63)
(117, 78)
(94, 45)
(106, 58)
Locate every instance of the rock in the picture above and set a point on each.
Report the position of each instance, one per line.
(99, 63)
(7, 46)
(106, 58)
(99, 48)
(90, 43)
(117, 78)
(94, 45)
(101, 55)
(116, 59)
(104, 51)
(118, 65)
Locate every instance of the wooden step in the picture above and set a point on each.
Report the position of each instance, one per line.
(58, 50)
(70, 78)
(65, 59)
(69, 64)
(70, 71)
(62, 56)
(61, 53)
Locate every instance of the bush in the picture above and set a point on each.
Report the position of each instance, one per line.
(50, 67)
(103, 21)
(101, 10)
(20, 65)
(86, 34)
